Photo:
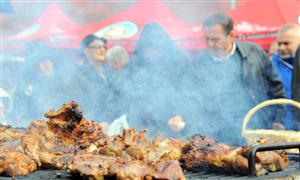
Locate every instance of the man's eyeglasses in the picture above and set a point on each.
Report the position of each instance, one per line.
(97, 47)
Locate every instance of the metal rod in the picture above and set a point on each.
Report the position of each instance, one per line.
(268, 147)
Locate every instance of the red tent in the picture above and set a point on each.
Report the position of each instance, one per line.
(259, 21)
(124, 28)
(49, 26)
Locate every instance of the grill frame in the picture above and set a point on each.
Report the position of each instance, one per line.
(268, 147)
(292, 171)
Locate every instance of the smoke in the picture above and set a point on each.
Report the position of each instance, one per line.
(160, 82)
(39, 83)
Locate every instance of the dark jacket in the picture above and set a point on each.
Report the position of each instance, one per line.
(149, 86)
(296, 85)
(260, 79)
(93, 93)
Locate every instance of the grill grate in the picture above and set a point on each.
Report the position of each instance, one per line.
(292, 171)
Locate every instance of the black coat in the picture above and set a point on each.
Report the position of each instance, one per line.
(93, 93)
(150, 82)
(296, 85)
(259, 78)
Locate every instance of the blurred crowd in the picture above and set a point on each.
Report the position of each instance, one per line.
(160, 87)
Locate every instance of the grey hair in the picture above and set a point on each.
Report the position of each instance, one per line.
(117, 53)
(290, 27)
(220, 18)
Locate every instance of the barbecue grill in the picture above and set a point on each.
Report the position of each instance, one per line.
(292, 172)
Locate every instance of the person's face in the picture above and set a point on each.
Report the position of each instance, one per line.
(96, 51)
(287, 44)
(217, 41)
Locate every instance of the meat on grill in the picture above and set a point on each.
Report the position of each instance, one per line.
(13, 160)
(203, 152)
(99, 167)
(53, 142)
(141, 148)
(69, 140)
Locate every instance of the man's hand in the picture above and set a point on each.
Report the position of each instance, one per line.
(278, 126)
(176, 123)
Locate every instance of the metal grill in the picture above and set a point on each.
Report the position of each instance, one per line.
(292, 171)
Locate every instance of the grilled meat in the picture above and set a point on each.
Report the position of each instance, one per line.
(53, 142)
(134, 145)
(46, 147)
(16, 163)
(142, 170)
(131, 156)
(69, 140)
(131, 170)
(266, 161)
(168, 170)
(97, 166)
(88, 136)
(9, 134)
(204, 152)
(140, 148)
(91, 165)
(13, 160)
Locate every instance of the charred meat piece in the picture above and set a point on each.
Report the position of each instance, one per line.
(65, 119)
(53, 142)
(201, 152)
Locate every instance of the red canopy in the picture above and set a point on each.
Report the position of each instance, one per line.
(52, 22)
(124, 28)
(259, 21)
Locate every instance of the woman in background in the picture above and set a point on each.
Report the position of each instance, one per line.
(93, 79)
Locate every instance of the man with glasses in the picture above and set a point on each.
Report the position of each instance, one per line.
(288, 39)
(237, 76)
